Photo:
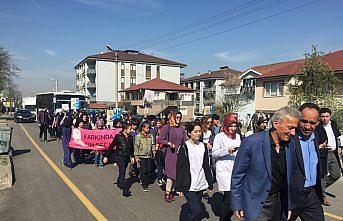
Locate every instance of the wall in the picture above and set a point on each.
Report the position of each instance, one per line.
(270, 104)
(170, 73)
(105, 81)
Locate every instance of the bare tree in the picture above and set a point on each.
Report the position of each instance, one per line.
(8, 71)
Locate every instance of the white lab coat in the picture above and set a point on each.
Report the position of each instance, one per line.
(224, 160)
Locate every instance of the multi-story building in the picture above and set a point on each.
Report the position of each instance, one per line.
(209, 88)
(101, 76)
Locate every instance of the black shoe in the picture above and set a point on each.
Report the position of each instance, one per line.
(127, 193)
(120, 186)
(205, 195)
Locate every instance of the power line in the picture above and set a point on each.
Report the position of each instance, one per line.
(213, 25)
(240, 26)
(201, 22)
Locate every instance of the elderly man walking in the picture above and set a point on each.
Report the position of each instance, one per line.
(261, 176)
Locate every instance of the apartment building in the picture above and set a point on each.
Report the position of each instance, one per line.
(101, 76)
(209, 88)
(166, 96)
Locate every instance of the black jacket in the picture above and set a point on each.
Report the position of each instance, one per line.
(324, 153)
(121, 145)
(298, 174)
(183, 174)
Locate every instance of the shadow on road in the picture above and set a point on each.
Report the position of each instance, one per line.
(20, 152)
(216, 202)
(185, 211)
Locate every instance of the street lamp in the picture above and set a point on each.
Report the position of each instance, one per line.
(56, 84)
(116, 73)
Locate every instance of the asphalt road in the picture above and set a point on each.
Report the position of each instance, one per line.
(39, 192)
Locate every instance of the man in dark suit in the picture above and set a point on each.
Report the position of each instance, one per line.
(329, 151)
(306, 192)
(260, 175)
(43, 122)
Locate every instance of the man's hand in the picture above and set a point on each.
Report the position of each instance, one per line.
(135, 159)
(341, 152)
(239, 214)
(323, 145)
(105, 160)
(289, 215)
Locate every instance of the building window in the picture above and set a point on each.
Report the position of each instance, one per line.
(132, 81)
(157, 95)
(148, 73)
(158, 72)
(122, 81)
(132, 67)
(132, 74)
(122, 72)
(273, 89)
(184, 111)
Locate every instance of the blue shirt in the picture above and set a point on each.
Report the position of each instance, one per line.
(310, 159)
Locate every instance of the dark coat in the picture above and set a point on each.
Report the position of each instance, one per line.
(324, 153)
(121, 145)
(43, 117)
(183, 174)
(298, 174)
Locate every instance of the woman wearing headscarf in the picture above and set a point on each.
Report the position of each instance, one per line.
(172, 135)
(258, 123)
(224, 150)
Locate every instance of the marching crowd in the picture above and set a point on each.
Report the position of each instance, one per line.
(278, 170)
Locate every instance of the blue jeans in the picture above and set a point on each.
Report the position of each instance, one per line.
(98, 159)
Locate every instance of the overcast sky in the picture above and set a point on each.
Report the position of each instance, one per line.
(48, 38)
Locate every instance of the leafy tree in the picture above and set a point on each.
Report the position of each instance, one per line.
(315, 83)
(8, 71)
(232, 99)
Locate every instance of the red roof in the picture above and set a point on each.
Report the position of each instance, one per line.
(334, 60)
(131, 56)
(158, 85)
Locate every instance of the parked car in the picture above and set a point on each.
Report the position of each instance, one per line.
(24, 115)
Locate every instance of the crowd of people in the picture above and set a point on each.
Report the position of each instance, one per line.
(278, 170)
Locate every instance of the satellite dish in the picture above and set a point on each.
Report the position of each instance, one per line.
(109, 47)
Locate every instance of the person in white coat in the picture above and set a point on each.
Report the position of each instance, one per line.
(224, 150)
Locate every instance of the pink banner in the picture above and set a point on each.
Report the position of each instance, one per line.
(92, 139)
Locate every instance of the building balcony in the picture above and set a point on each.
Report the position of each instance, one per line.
(92, 99)
(209, 89)
(91, 85)
(187, 103)
(91, 72)
(173, 103)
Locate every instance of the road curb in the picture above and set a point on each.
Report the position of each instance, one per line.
(6, 178)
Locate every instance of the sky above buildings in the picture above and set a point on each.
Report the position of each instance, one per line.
(48, 38)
